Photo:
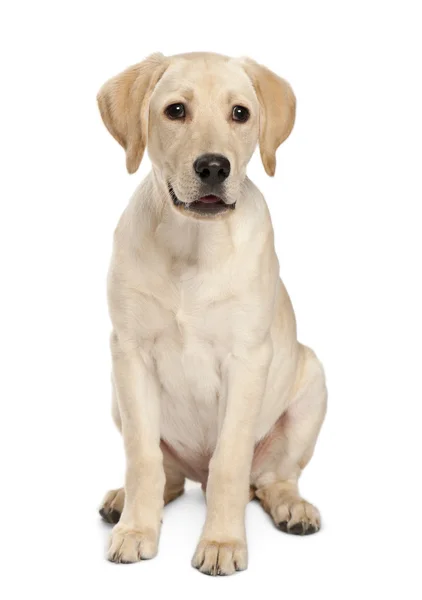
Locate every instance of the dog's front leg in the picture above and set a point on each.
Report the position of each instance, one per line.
(136, 535)
(222, 548)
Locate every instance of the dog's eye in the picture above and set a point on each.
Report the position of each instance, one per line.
(240, 113)
(175, 111)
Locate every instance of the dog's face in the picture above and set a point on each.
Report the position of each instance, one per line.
(201, 116)
(203, 129)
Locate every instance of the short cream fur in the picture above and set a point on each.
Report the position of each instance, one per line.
(209, 380)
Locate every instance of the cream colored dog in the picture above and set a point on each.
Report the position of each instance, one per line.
(209, 380)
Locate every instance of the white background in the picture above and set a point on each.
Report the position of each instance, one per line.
(346, 207)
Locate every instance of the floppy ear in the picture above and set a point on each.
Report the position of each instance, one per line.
(123, 102)
(278, 108)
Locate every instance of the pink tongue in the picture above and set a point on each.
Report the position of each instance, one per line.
(209, 199)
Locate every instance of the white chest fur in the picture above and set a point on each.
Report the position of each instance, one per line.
(187, 356)
(188, 294)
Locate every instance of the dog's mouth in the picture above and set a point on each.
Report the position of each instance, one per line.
(205, 205)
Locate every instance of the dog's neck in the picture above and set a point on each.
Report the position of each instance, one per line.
(187, 238)
(153, 223)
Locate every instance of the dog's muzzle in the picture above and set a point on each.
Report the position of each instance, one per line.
(208, 205)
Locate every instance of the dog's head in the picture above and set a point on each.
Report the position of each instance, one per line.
(201, 116)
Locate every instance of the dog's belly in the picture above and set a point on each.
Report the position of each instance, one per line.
(188, 370)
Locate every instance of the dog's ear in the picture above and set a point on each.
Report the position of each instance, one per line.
(278, 109)
(124, 101)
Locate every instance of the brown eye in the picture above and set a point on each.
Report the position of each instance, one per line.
(175, 111)
(240, 113)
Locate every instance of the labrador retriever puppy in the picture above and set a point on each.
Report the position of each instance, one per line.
(209, 380)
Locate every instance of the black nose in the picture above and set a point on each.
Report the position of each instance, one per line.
(212, 168)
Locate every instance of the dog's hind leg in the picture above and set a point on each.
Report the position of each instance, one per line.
(284, 453)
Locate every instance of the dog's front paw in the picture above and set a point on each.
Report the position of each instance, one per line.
(128, 545)
(220, 558)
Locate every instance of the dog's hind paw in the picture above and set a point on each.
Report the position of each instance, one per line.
(112, 506)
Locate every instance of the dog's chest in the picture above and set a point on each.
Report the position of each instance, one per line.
(188, 352)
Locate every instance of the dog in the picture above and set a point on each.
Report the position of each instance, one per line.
(209, 381)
